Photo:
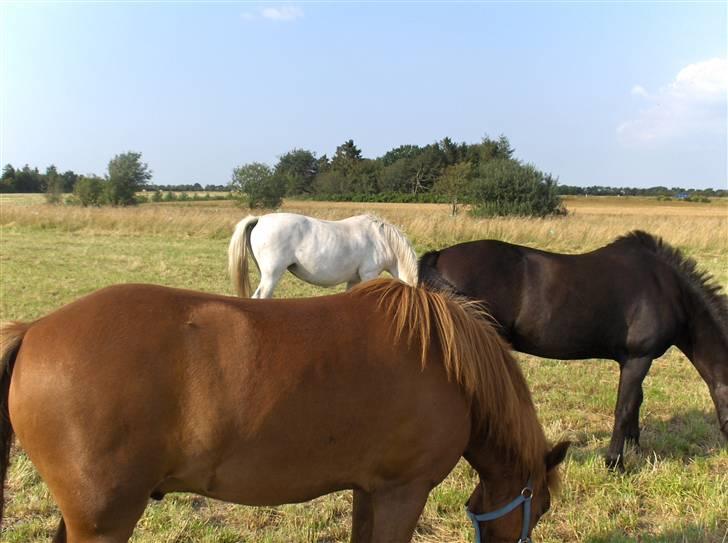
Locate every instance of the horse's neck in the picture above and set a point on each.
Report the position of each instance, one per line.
(706, 345)
(706, 338)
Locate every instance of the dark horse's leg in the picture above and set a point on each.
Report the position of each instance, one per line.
(626, 414)
(60, 536)
(363, 517)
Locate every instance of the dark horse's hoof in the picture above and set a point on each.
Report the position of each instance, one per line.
(614, 463)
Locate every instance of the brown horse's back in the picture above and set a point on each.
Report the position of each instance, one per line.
(235, 399)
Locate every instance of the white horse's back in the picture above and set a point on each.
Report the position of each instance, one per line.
(325, 253)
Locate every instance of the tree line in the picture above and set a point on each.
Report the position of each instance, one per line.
(665, 192)
(126, 176)
(485, 174)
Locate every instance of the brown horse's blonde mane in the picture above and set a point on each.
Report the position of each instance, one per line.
(475, 357)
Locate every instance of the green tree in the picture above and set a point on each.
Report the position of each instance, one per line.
(346, 158)
(396, 176)
(427, 168)
(127, 175)
(69, 180)
(452, 153)
(28, 180)
(332, 182)
(507, 187)
(455, 184)
(415, 171)
(364, 179)
(323, 164)
(262, 187)
(248, 175)
(489, 149)
(402, 152)
(7, 180)
(54, 185)
(89, 190)
(299, 167)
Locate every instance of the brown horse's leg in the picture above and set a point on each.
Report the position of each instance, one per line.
(362, 517)
(118, 532)
(102, 517)
(396, 511)
(626, 413)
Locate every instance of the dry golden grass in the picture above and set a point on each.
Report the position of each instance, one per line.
(591, 222)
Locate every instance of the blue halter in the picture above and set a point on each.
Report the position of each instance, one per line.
(524, 498)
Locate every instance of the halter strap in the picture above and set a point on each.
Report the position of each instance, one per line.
(524, 498)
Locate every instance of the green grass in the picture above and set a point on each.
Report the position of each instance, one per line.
(675, 489)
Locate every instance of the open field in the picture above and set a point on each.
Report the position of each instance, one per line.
(675, 489)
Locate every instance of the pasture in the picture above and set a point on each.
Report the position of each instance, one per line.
(675, 489)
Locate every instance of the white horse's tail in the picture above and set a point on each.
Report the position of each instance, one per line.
(238, 256)
(403, 252)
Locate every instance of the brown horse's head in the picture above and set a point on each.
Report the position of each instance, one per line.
(505, 508)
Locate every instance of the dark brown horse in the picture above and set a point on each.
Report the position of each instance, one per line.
(628, 301)
(136, 391)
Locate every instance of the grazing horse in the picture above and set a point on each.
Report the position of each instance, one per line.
(136, 391)
(324, 253)
(629, 301)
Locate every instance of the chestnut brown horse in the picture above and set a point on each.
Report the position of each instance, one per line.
(628, 301)
(136, 391)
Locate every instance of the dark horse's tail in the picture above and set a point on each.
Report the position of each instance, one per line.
(11, 336)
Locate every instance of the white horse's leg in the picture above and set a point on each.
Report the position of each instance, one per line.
(268, 281)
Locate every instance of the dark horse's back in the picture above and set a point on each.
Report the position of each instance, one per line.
(614, 302)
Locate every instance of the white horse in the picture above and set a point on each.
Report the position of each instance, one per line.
(325, 253)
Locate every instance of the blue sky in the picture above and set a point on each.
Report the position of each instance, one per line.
(625, 94)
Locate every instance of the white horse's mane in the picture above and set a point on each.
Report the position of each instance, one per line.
(401, 247)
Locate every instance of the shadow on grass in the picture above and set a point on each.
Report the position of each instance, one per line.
(688, 434)
(683, 437)
(692, 533)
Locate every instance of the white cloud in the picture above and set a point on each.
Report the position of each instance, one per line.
(284, 13)
(694, 103)
(639, 90)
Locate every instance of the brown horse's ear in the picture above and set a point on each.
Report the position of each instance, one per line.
(556, 455)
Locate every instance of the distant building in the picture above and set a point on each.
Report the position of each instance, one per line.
(682, 195)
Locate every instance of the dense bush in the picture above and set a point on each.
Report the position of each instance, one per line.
(54, 185)
(89, 191)
(507, 187)
(259, 186)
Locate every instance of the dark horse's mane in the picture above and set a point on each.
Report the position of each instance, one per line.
(700, 282)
